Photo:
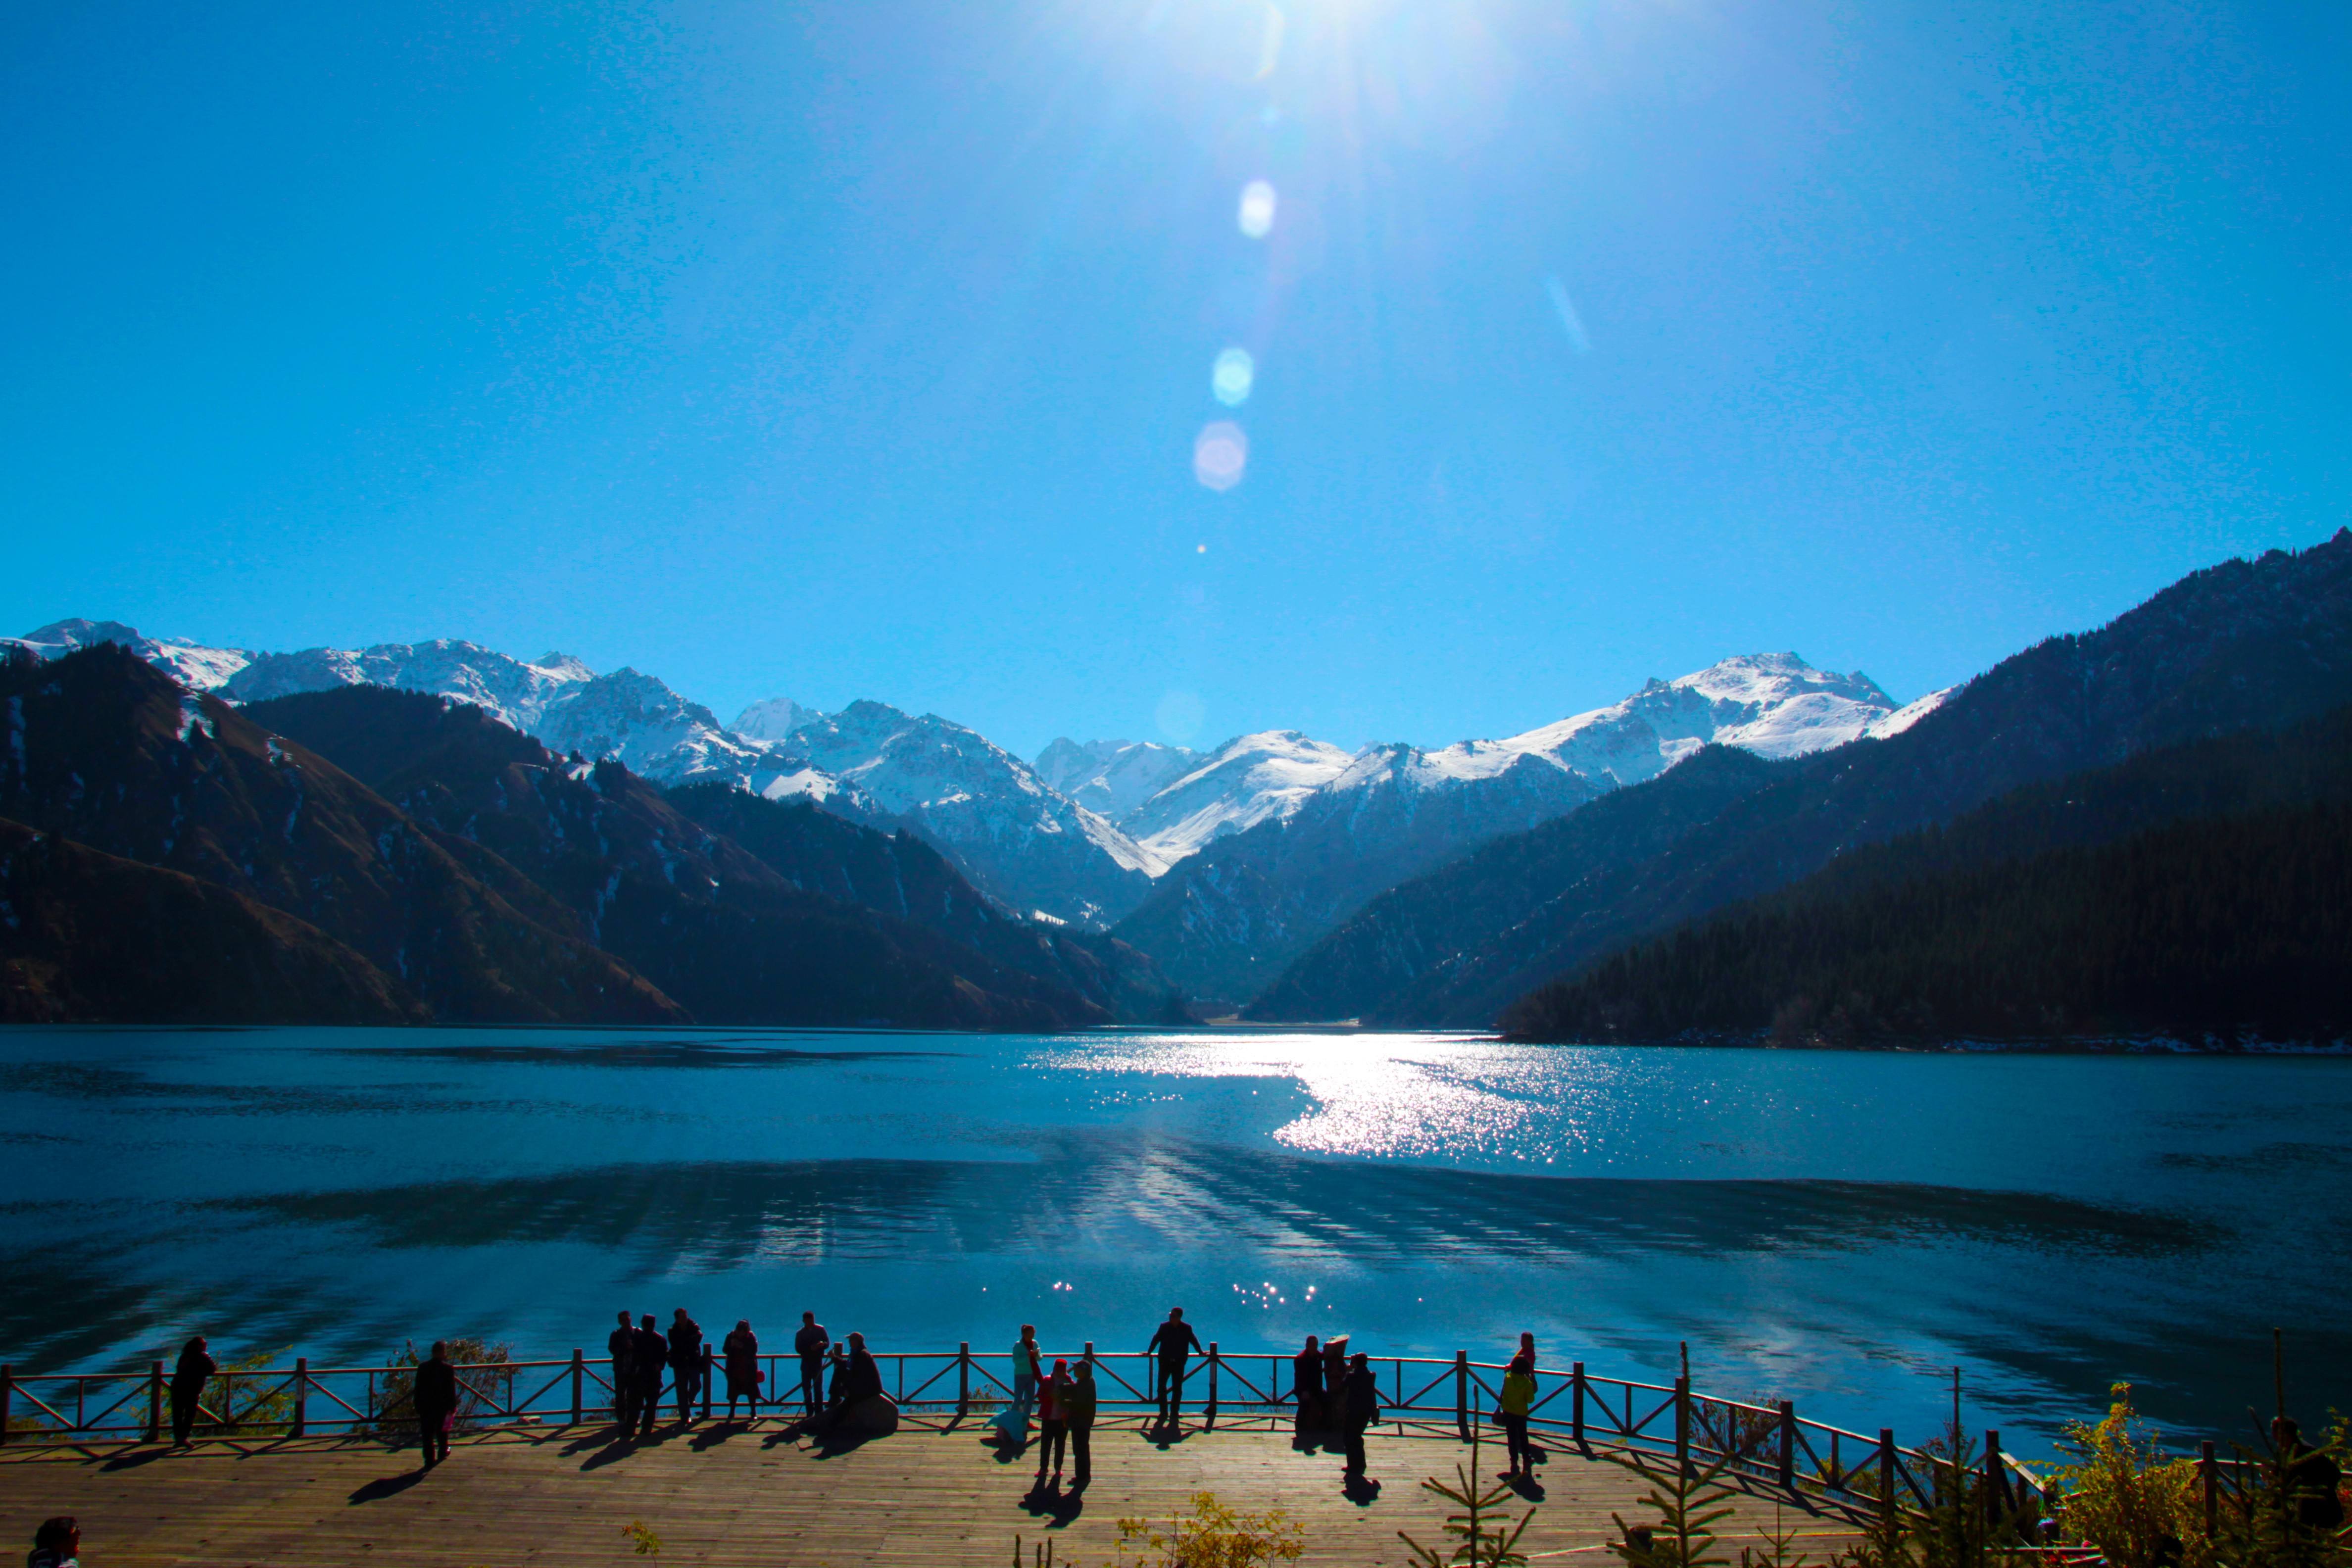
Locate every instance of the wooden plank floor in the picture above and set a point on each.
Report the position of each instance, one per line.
(732, 1494)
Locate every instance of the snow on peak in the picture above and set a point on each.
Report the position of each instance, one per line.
(1240, 784)
(563, 666)
(193, 665)
(773, 720)
(1910, 713)
(1113, 777)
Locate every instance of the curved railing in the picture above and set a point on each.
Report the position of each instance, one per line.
(1759, 1447)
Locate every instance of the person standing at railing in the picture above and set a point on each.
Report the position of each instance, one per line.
(194, 1369)
(1013, 1421)
(742, 1349)
(1306, 1393)
(1053, 1419)
(1078, 1414)
(647, 1360)
(1511, 1407)
(621, 1344)
(812, 1343)
(1174, 1339)
(684, 1362)
(434, 1396)
(1359, 1406)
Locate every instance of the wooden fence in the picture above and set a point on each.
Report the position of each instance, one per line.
(1762, 1448)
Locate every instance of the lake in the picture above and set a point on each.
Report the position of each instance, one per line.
(1836, 1228)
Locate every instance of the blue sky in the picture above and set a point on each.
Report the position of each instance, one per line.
(864, 348)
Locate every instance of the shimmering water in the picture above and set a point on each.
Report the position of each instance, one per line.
(1835, 1228)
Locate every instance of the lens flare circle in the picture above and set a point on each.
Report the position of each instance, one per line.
(1257, 217)
(1232, 378)
(1220, 454)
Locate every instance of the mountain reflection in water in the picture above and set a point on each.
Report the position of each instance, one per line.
(1837, 1229)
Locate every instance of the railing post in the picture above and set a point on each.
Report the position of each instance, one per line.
(707, 1359)
(579, 1384)
(1996, 1476)
(963, 1380)
(1461, 1394)
(1788, 1446)
(1209, 1416)
(301, 1395)
(154, 1402)
(1576, 1403)
(1682, 1427)
(7, 1397)
(2212, 1477)
(1886, 1472)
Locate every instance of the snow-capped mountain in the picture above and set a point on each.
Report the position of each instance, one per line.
(193, 665)
(1020, 838)
(1227, 921)
(1112, 777)
(773, 720)
(1240, 784)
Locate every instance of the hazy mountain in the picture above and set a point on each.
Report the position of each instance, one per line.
(1226, 922)
(193, 665)
(1248, 780)
(773, 720)
(1112, 778)
(2242, 645)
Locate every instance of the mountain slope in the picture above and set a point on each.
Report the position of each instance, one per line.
(2245, 644)
(2196, 888)
(715, 926)
(108, 752)
(1112, 778)
(89, 938)
(1229, 922)
(1015, 837)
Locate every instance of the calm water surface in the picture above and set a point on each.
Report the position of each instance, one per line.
(1835, 1228)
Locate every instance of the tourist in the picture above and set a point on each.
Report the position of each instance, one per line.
(195, 1368)
(621, 1345)
(646, 1362)
(1306, 1390)
(2313, 1477)
(1078, 1418)
(742, 1349)
(1013, 1422)
(1335, 1377)
(684, 1362)
(812, 1343)
(1174, 1339)
(1511, 1407)
(1359, 1406)
(435, 1397)
(865, 1371)
(837, 1392)
(57, 1543)
(1053, 1419)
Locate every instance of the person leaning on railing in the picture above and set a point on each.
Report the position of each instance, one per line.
(622, 1344)
(650, 1354)
(195, 1367)
(812, 1343)
(1511, 1407)
(1174, 1340)
(1078, 1414)
(684, 1362)
(434, 1396)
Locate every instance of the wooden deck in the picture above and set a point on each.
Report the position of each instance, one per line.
(741, 1494)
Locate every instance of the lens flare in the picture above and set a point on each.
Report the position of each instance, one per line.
(1257, 209)
(1220, 454)
(1232, 378)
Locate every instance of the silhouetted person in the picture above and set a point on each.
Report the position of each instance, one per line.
(1307, 1389)
(435, 1396)
(2314, 1479)
(1511, 1406)
(1078, 1411)
(622, 1344)
(685, 1361)
(837, 1387)
(1359, 1401)
(1335, 1375)
(194, 1369)
(647, 1362)
(810, 1343)
(57, 1543)
(1053, 1419)
(741, 1350)
(865, 1372)
(1174, 1339)
(1013, 1421)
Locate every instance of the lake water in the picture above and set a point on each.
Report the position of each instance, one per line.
(1836, 1228)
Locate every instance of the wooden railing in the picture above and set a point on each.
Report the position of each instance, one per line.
(1759, 1446)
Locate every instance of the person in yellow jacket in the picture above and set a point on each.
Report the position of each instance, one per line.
(1518, 1395)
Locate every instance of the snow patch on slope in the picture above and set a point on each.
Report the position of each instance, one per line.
(1242, 782)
